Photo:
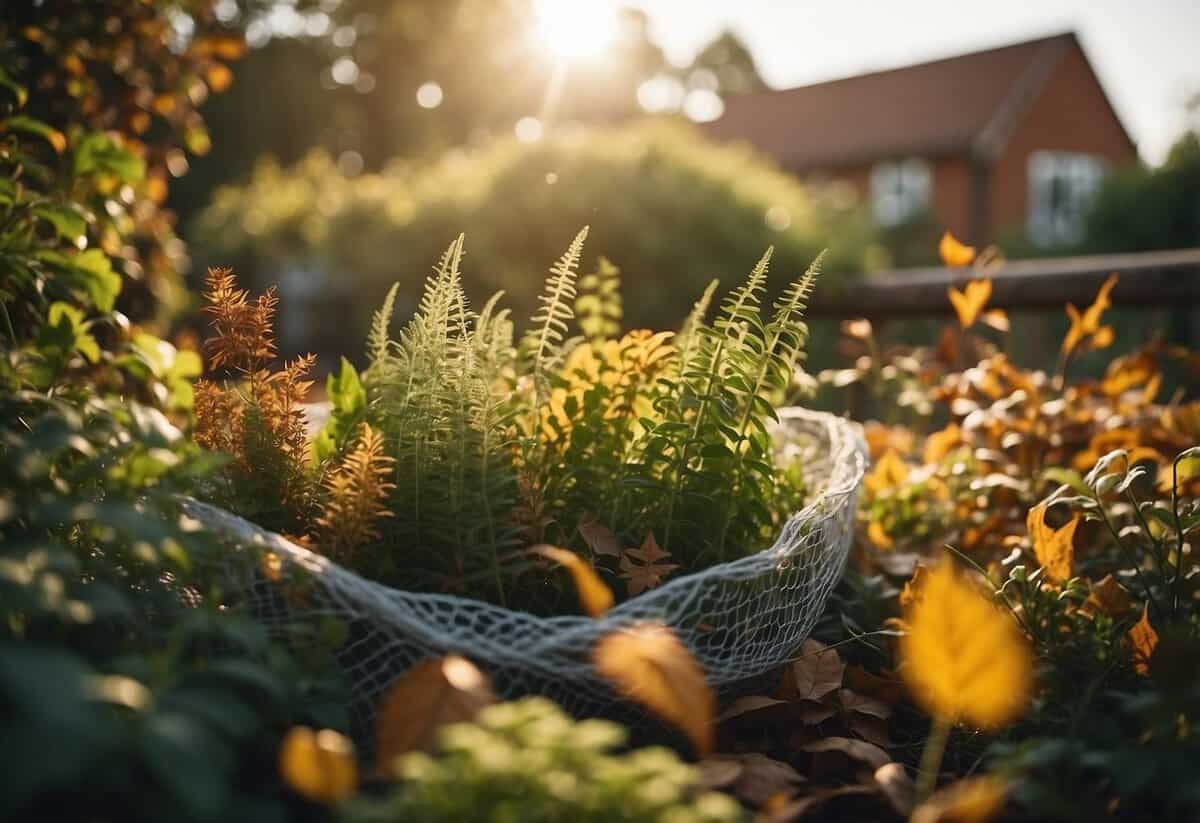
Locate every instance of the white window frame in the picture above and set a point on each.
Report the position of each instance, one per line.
(900, 189)
(1061, 187)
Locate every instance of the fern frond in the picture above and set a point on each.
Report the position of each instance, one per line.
(543, 344)
(379, 338)
(356, 494)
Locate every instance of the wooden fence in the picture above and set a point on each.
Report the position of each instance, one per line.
(1165, 279)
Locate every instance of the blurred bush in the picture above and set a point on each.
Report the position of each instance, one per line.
(1142, 209)
(669, 208)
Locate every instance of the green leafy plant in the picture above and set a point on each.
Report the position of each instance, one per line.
(529, 761)
(595, 444)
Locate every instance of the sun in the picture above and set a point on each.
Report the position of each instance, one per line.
(576, 28)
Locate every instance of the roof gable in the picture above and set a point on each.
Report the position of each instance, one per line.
(947, 106)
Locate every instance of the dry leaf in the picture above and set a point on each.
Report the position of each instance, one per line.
(1109, 597)
(852, 702)
(319, 766)
(954, 253)
(858, 750)
(427, 697)
(885, 689)
(816, 673)
(896, 786)
(648, 571)
(1086, 325)
(746, 708)
(889, 473)
(599, 537)
(652, 667)
(595, 597)
(963, 658)
(757, 780)
(968, 303)
(1143, 639)
(996, 319)
(975, 800)
(1054, 548)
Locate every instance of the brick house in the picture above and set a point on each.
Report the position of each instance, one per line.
(993, 142)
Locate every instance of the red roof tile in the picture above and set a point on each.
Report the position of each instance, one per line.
(936, 108)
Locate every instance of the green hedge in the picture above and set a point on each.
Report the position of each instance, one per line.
(668, 207)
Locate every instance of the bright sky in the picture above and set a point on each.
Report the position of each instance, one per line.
(1146, 52)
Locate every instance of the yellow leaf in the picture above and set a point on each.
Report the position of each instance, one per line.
(879, 536)
(954, 253)
(1055, 549)
(1087, 323)
(964, 659)
(318, 765)
(975, 800)
(941, 443)
(649, 665)
(889, 473)
(997, 319)
(427, 697)
(1144, 639)
(595, 597)
(969, 302)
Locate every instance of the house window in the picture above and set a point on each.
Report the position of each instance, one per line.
(1061, 187)
(900, 190)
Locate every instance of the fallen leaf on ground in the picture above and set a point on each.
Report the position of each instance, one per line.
(427, 697)
(652, 667)
(896, 785)
(1109, 597)
(816, 673)
(1054, 548)
(758, 778)
(859, 750)
(599, 537)
(648, 571)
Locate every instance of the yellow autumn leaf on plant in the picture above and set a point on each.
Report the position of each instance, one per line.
(320, 765)
(1144, 639)
(1054, 548)
(650, 666)
(878, 536)
(941, 443)
(595, 597)
(1085, 326)
(969, 303)
(890, 472)
(963, 659)
(955, 253)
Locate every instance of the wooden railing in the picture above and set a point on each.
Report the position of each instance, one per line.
(1148, 279)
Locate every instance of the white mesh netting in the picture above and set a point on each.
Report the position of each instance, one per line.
(740, 619)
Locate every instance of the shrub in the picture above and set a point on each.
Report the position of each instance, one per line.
(670, 209)
(529, 761)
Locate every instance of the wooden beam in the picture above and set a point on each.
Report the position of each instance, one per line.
(1150, 279)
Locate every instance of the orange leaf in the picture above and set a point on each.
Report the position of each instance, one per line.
(963, 658)
(889, 473)
(649, 665)
(595, 597)
(1087, 323)
(1144, 639)
(954, 253)
(969, 302)
(939, 444)
(1109, 597)
(1054, 549)
(427, 697)
(318, 765)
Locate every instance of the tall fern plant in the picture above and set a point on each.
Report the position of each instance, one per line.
(574, 432)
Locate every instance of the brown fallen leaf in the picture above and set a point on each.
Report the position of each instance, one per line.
(812, 804)
(816, 673)
(870, 729)
(650, 666)
(595, 597)
(599, 537)
(759, 779)
(888, 690)
(427, 697)
(858, 750)
(853, 702)
(812, 713)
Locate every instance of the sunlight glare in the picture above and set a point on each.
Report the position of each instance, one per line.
(576, 28)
